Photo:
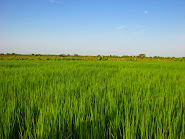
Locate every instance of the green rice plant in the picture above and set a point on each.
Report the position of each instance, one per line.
(92, 99)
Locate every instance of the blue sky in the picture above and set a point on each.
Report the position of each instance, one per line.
(93, 27)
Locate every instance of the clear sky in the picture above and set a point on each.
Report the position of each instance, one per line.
(93, 27)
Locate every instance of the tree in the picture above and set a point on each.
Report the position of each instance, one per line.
(75, 55)
(142, 55)
(62, 55)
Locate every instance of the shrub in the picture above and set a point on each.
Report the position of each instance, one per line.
(39, 58)
(10, 58)
(62, 55)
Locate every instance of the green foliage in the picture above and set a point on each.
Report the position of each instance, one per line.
(92, 99)
(90, 58)
(76, 55)
(48, 59)
(10, 58)
(103, 58)
(142, 55)
(54, 59)
(58, 59)
(100, 58)
(62, 55)
(39, 58)
(21, 58)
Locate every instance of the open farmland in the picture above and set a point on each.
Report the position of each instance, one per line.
(92, 99)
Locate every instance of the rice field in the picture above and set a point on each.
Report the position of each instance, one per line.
(92, 99)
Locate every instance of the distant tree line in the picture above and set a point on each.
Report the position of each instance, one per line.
(99, 56)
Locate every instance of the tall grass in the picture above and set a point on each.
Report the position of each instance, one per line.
(92, 99)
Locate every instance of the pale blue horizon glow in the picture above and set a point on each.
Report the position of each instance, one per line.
(93, 27)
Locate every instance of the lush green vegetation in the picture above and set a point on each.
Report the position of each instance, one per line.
(92, 99)
(76, 57)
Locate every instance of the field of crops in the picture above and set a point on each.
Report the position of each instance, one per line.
(92, 99)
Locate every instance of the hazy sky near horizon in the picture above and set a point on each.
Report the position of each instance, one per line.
(93, 27)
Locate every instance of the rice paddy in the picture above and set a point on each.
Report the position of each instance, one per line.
(92, 99)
